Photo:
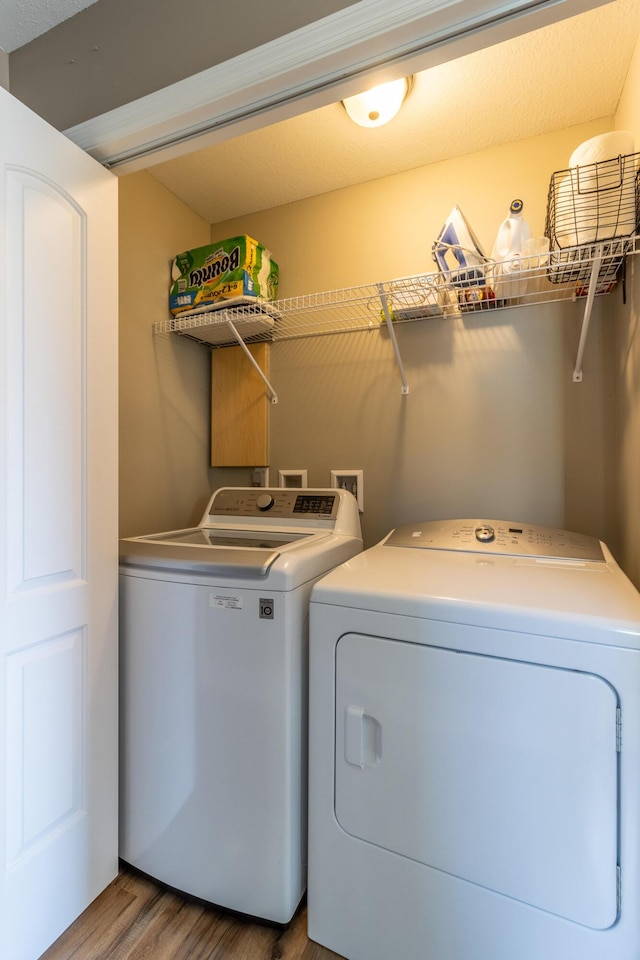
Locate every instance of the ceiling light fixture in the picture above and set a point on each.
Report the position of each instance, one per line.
(378, 105)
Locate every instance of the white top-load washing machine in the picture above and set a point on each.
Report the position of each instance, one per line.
(214, 657)
(475, 748)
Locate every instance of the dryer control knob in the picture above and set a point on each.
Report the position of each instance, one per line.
(485, 534)
(265, 501)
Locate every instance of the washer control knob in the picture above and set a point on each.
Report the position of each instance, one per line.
(265, 501)
(485, 534)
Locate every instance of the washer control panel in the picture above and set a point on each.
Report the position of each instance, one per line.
(276, 502)
(498, 537)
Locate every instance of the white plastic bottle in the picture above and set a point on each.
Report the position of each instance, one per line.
(507, 253)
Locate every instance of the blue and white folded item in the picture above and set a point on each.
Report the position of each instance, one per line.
(458, 253)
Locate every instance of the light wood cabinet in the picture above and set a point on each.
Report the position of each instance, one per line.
(239, 408)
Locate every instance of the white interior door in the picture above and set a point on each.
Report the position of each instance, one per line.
(58, 535)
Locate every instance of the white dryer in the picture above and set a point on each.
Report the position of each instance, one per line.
(214, 658)
(475, 748)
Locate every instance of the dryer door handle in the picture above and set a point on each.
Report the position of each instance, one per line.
(362, 738)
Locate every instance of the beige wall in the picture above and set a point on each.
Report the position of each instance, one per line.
(493, 425)
(164, 380)
(385, 228)
(628, 366)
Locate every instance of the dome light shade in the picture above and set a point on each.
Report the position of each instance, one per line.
(377, 106)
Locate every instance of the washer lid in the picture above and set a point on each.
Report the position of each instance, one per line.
(252, 532)
(497, 537)
(185, 550)
(225, 537)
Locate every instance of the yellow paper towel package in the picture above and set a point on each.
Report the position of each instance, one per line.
(239, 267)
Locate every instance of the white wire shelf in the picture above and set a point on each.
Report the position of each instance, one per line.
(352, 309)
(572, 274)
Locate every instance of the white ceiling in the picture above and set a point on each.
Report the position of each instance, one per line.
(24, 20)
(562, 75)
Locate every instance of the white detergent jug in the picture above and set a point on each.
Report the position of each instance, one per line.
(507, 253)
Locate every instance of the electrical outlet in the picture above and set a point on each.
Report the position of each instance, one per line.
(260, 477)
(351, 480)
(292, 478)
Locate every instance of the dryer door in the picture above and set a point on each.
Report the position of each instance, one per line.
(499, 772)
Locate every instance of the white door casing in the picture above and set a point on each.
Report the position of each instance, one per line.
(58, 531)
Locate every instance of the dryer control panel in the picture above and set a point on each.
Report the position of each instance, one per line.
(498, 537)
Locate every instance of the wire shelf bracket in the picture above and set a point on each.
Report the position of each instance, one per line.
(394, 340)
(593, 283)
(259, 371)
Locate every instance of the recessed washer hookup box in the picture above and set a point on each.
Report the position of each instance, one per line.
(237, 267)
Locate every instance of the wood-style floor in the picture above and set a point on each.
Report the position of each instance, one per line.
(133, 919)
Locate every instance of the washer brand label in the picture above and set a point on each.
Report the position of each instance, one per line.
(227, 601)
(214, 266)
